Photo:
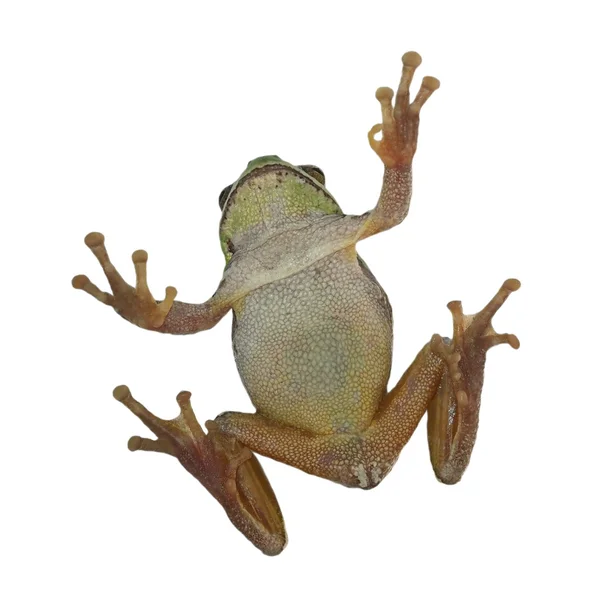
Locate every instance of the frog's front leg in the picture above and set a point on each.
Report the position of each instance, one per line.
(399, 133)
(446, 377)
(396, 148)
(138, 306)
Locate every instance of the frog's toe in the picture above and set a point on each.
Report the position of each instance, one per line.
(154, 312)
(82, 282)
(428, 86)
(452, 358)
(488, 341)
(160, 445)
(95, 242)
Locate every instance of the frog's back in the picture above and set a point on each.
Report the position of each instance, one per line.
(314, 349)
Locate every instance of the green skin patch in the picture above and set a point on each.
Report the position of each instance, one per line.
(270, 193)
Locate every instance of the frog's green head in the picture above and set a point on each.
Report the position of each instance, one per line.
(268, 194)
(271, 160)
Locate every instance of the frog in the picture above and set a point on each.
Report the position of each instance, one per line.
(312, 337)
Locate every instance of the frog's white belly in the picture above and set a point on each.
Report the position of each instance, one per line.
(314, 349)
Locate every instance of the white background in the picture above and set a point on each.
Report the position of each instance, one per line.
(129, 118)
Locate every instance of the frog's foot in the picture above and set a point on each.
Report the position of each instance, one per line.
(228, 470)
(400, 121)
(134, 304)
(454, 413)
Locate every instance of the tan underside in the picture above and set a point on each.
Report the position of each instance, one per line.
(312, 359)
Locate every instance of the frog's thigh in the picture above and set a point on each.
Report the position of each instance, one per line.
(337, 457)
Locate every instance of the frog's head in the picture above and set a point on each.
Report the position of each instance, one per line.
(254, 168)
(269, 194)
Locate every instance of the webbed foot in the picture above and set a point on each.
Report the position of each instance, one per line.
(454, 413)
(226, 468)
(400, 121)
(136, 304)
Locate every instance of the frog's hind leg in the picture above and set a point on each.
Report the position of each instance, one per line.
(226, 468)
(446, 377)
(453, 415)
(355, 460)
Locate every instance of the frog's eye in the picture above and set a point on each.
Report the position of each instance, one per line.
(223, 196)
(314, 172)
